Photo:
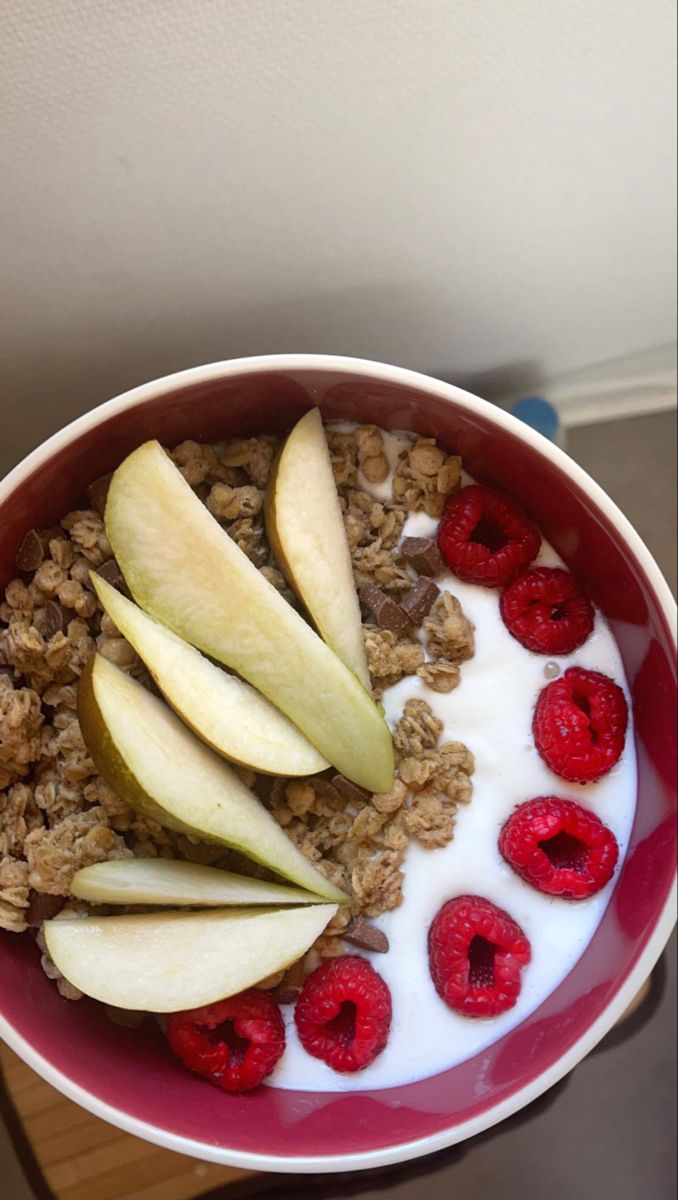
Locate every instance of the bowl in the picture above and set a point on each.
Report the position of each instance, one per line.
(128, 1077)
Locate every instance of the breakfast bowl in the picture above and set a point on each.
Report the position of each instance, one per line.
(127, 1076)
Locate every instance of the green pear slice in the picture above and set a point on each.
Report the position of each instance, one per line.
(167, 962)
(154, 762)
(306, 531)
(237, 721)
(168, 881)
(184, 570)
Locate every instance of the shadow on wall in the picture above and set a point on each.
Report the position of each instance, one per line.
(59, 372)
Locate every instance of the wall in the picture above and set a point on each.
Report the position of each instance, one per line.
(483, 189)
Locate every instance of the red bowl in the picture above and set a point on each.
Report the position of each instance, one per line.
(128, 1077)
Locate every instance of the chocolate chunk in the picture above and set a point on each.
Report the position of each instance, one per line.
(367, 937)
(420, 599)
(42, 908)
(51, 533)
(291, 984)
(324, 789)
(202, 491)
(97, 493)
(263, 786)
(128, 1018)
(387, 613)
(54, 620)
(423, 555)
(139, 672)
(348, 790)
(31, 552)
(110, 571)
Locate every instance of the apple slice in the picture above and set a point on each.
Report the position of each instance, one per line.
(169, 881)
(167, 962)
(154, 762)
(307, 535)
(184, 570)
(224, 711)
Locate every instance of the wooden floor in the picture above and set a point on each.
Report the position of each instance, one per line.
(83, 1158)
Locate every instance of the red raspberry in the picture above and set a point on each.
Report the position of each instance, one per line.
(476, 953)
(235, 1043)
(486, 538)
(579, 725)
(343, 1014)
(546, 611)
(559, 847)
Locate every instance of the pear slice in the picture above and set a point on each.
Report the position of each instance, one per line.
(168, 881)
(170, 961)
(184, 570)
(306, 531)
(224, 711)
(154, 762)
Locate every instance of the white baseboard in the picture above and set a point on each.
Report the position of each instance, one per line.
(632, 386)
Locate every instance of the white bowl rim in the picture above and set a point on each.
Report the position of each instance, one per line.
(405, 1151)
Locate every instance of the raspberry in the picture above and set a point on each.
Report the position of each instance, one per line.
(486, 538)
(235, 1043)
(559, 847)
(546, 611)
(579, 725)
(476, 953)
(343, 1014)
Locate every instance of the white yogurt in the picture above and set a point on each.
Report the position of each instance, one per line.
(491, 712)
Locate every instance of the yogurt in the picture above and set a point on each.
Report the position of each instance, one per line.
(490, 712)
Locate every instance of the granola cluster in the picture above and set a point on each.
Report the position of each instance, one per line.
(56, 812)
(358, 840)
(425, 476)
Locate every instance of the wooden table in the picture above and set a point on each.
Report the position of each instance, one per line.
(84, 1158)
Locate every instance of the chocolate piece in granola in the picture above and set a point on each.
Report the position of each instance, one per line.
(289, 988)
(422, 554)
(97, 492)
(111, 573)
(325, 790)
(52, 620)
(127, 1018)
(387, 614)
(419, 601)
(351, 792)
(365, 936)
(41, 908)
(31, 552)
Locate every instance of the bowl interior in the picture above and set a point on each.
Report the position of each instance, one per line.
(131, 1071)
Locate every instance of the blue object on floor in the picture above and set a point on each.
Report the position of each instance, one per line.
(539, 414)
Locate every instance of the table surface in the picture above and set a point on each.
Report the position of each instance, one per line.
(610, 1132)
(83, 1158)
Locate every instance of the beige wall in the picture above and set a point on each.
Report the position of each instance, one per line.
(479, 188)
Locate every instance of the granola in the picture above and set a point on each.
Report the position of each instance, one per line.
(425, 476)
(449, 633)
(390, 658)
(57, 814)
